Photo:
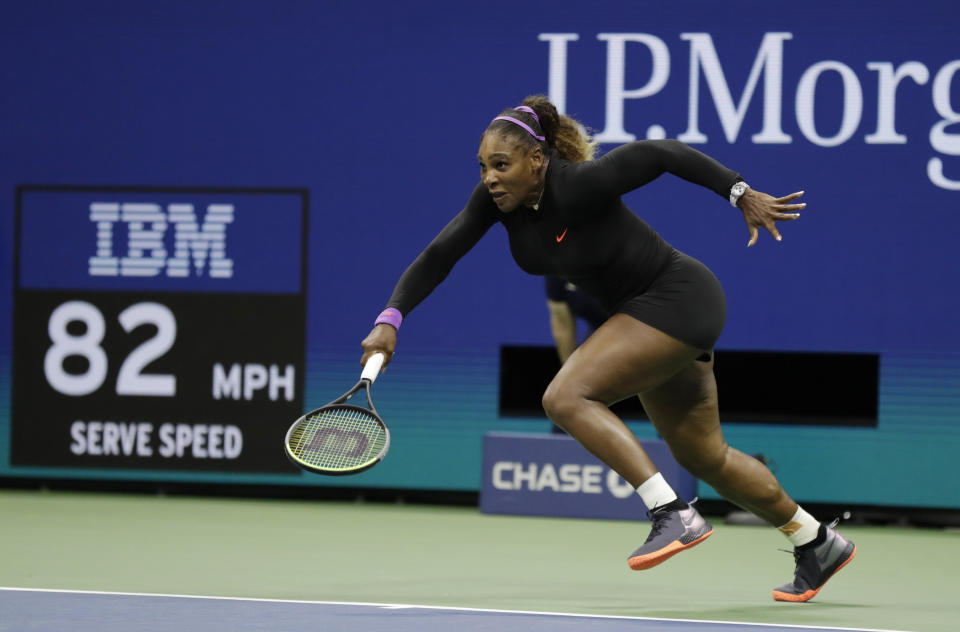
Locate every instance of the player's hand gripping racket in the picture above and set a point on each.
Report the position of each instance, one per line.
(341, 438)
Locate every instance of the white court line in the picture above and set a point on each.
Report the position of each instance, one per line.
(400, 606)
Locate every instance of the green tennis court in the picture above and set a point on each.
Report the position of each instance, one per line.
(902, 579)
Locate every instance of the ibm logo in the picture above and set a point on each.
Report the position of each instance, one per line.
(204, 244)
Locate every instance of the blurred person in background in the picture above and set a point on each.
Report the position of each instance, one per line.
(567, 306)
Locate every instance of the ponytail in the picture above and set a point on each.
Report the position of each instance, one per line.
(538, 122)
(571, 139)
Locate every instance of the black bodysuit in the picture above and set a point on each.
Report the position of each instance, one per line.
(584, 233)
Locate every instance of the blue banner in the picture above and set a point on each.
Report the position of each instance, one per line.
(552, 475)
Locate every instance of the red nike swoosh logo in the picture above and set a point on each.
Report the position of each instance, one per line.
(561, 235)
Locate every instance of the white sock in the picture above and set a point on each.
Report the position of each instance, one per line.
(656, 492)
(801, 529)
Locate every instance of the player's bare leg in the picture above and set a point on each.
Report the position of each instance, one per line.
(622, 358)
(685, 413)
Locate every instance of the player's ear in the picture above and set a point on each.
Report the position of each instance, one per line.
(536, 156)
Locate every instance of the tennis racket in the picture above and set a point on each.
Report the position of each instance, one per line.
(340, 438)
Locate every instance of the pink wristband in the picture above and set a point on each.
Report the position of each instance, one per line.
(391, 316)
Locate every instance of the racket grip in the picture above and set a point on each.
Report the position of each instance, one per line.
(372, 368)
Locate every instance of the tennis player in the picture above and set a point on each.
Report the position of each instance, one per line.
(563, 214)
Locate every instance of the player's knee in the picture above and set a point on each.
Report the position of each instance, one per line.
(559, 404)
(705, 464)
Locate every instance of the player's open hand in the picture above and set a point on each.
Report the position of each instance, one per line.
(763, 211)
(381, 339)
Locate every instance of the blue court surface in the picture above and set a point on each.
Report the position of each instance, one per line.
(77, 611)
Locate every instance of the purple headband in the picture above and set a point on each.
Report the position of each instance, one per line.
(523, 108)
(517, 121)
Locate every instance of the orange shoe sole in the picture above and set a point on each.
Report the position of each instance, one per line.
(643, 562)
(810, 594)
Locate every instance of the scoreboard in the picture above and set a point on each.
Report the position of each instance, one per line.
(157, 328)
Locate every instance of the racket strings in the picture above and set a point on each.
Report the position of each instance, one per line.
(338, 438)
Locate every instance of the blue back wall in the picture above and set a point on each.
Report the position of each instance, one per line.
(377, 108)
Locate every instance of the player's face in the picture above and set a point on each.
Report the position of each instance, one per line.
(511, 172)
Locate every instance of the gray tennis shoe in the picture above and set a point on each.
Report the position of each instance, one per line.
(672, 531)
(817, 562)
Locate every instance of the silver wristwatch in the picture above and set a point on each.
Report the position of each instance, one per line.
(737, 191)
